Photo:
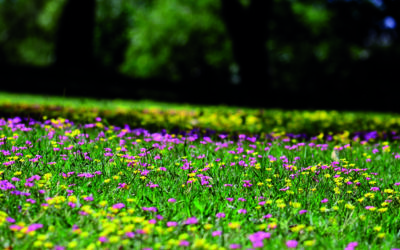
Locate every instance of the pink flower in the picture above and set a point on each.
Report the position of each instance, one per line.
(172, 224)
(191, 221)
(103, 239)
(129, 234)
(324, 200)
(171, 200)
(235, 246)
(220, 215)
(351, 246)
(303, 211)
(216, 233)
(184, 243)
(291, 243)
(242, 211)
(118, 206)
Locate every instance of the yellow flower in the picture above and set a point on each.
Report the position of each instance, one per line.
(234, 225)
(48, 245)
(103, 203)
(208, 226)
(382, 210)
(309, 243)
(72, 244)
(37, 243)
(381, 235)
(377, 228)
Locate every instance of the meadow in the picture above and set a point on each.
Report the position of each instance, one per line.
(156, 176)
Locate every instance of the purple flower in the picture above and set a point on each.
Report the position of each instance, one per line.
(216, 233)
(369, 207)
(184, 243)
(34, 227)
(150, 209)
(235, 246)
(171, 200)
(303, 211)
(191, 221)
(230, 199)
(171, 224)
(242, 211)
(267, 216)
(220, 215)
(10, 220)
(103, 239)
(118, 206)
(291, 243)
(259, 236)
(324, 200)
(130, 234)
(351, 246)
(374, 189)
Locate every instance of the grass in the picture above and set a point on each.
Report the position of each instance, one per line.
(156, 116)
(93, 185)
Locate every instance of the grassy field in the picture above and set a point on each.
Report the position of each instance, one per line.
(92, 185)
(156, 116)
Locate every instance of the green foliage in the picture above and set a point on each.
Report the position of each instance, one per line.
(171, 38)
(28, 29)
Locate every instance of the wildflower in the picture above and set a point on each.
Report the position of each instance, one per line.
(118, 206)
(220, 215)
(324, 200)
(103, 239)
(234, 225)
(216, 233)
(172, 224)
(191, 221)
(309, 243)
(235, 246)
(184, 243)
(351, 246)
(171, 200)
(242, 211)
(291, 243)
(303, 211)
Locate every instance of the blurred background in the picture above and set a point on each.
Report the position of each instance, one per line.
(291, 54)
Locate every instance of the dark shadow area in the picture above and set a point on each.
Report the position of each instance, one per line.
(340, 55)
